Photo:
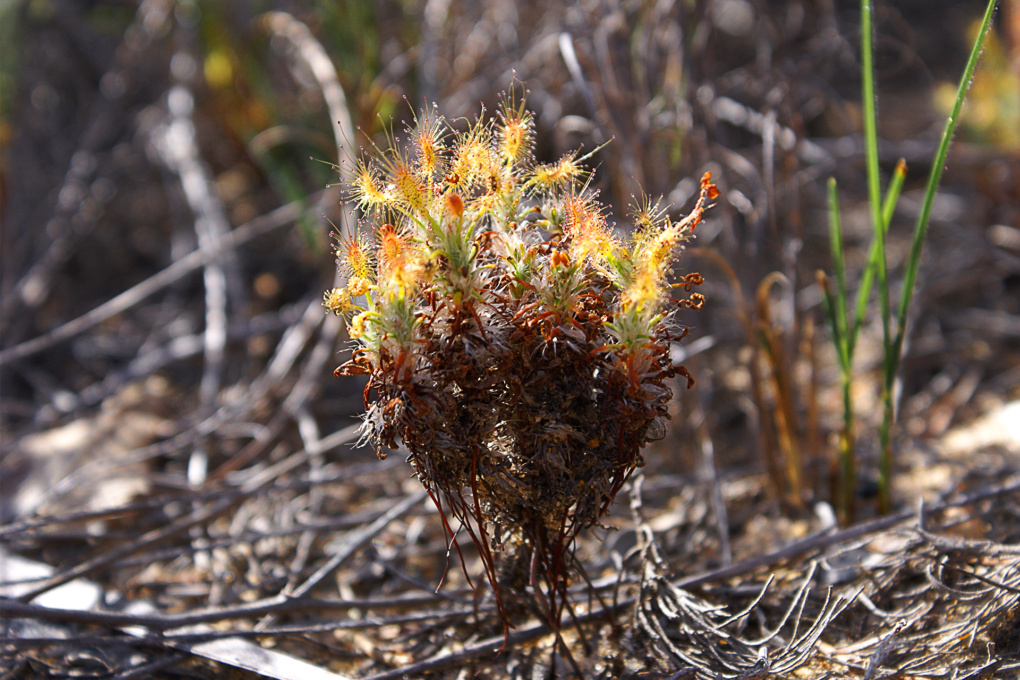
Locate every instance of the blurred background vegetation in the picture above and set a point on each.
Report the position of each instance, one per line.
(108, 369)
(766, 95)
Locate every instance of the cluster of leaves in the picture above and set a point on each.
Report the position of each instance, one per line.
(514, 343)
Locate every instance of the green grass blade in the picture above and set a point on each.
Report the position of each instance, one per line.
(837, 314)
(871, 156)
(892, 197)
(869, 103)
(829, 304)
(880, 229)
(921, 230)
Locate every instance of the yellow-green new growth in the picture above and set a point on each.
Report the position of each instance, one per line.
(354, 256)
(591, 239)
(515, 132)
(654, 247)
(456, 198)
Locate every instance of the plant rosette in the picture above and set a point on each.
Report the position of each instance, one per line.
(514, 343)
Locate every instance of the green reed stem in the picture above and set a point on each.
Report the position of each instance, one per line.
(845, 328)
(837, 311)
(895, 353)
(875, 195)
(892, 196)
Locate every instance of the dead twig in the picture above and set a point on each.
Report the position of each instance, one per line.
(259, 226)
(164, 621)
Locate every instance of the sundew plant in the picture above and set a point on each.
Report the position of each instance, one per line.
(515, 344)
